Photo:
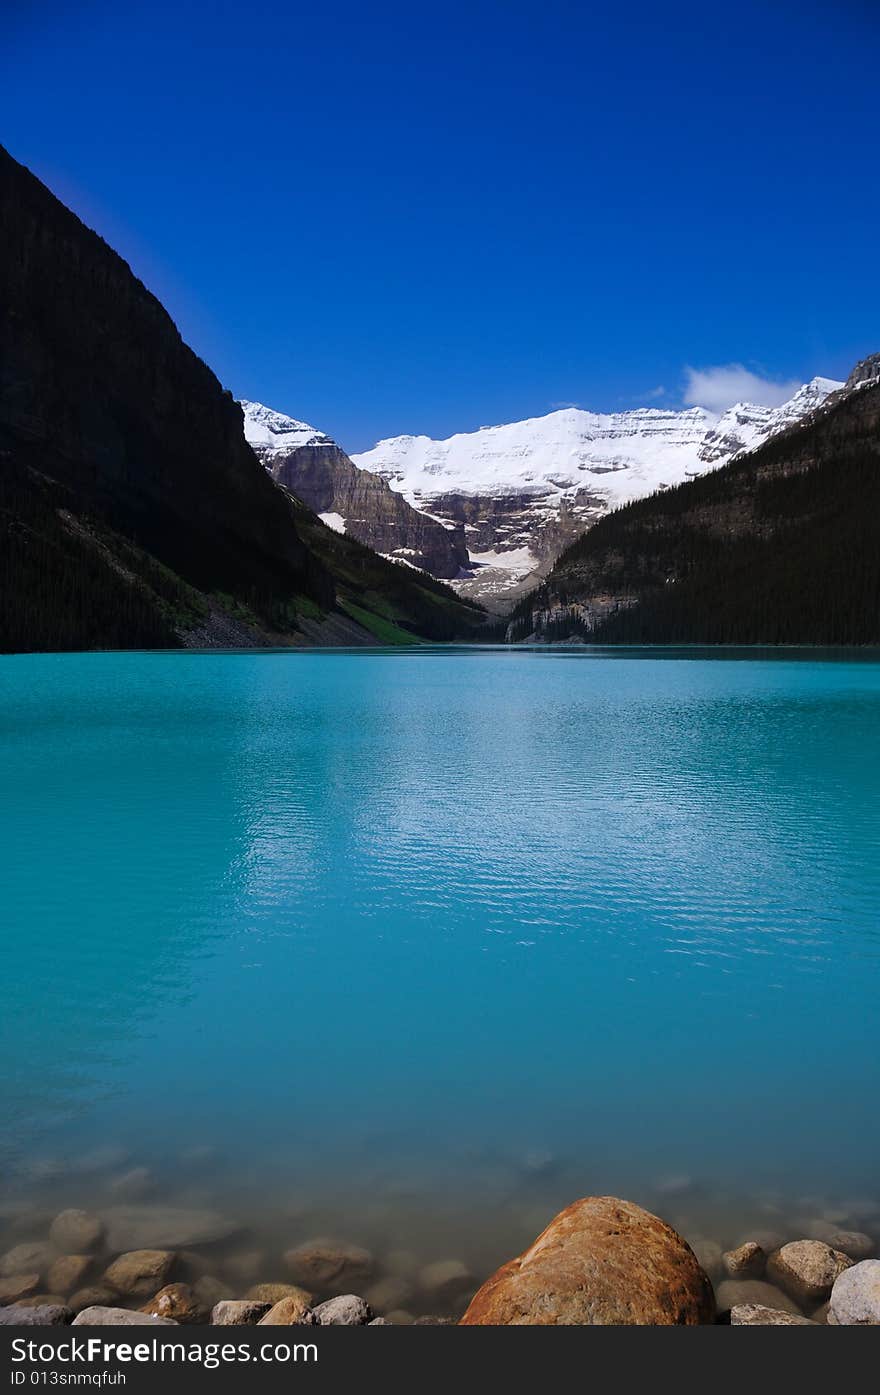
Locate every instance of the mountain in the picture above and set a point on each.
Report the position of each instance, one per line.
(350, 500)
(524, 491)
(781, 545)
(133, 513)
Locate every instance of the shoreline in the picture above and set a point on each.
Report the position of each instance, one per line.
(152, 1262)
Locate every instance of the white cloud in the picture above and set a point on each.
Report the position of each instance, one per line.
(655, 393)
(719, 387)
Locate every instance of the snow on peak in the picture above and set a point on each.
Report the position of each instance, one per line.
(277, 434)
(618, 456)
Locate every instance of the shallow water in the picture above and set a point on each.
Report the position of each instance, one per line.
(416, 947)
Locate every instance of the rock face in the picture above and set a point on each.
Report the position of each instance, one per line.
(133, 513)
(806, 1270)
(525, 490)
(855, 1297)
(361, 504)
(600, 1262)
(101, 397)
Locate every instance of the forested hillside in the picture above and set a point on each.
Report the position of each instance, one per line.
(780, 546)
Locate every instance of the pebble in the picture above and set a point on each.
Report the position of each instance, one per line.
(345, 1311)
(238, 1313)
(118, 1317)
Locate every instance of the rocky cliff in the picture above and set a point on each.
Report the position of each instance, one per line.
(132, 510)
(781, 545)
(351, 500)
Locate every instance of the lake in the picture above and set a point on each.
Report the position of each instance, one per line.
(415, 947)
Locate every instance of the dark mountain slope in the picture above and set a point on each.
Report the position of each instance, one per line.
(781, 546)
(132, 510)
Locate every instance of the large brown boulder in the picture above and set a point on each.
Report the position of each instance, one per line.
(600, 1262)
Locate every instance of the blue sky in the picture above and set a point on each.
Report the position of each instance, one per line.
(398, 217)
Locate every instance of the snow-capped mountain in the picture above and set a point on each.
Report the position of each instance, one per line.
(272, 434)
(745, 426)
(524, 490)
(350, 500)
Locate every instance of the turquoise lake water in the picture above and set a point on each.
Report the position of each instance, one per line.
(419, 946)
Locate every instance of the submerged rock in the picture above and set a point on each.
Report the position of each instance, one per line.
(30, 1256)
(68, 1272)
(209, 1291)
(745, 1262)
(753, 1315)
(96, 1296)
(14, 1287)
(854, 1243)
(389, 1293)
(273, 1293)
(246, 1266)
(855, 1297)
(806, 1269)
(445, 1280)
(603, 1262)
(708, 1253)
(164, 1227)
(323, 1264)
(139, 1273)
(735, 1293)
(76, 1232)
(133, 1185)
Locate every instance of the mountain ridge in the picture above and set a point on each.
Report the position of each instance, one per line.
(133, 513)
(524, 490)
